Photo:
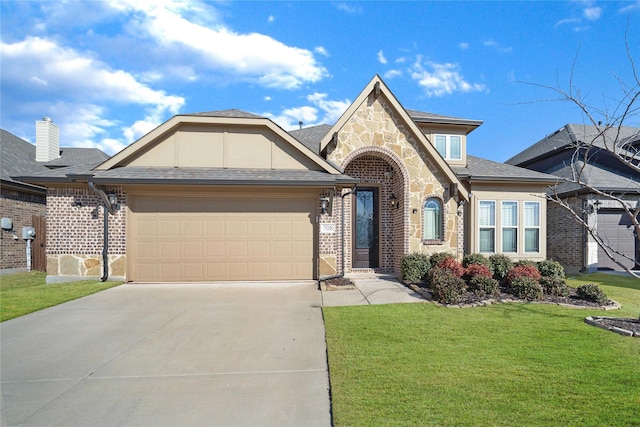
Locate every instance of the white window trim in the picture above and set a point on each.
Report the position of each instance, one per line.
(447, 145)
(510, 227)
(525, 227)
(480, 227)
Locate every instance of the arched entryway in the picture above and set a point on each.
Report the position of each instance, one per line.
(377, 213)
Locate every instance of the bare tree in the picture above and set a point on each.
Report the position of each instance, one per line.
(607, 136)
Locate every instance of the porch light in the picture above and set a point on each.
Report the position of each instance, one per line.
(324, 205)
(113, 201)
(393, 201)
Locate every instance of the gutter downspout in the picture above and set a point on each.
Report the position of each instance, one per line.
(341, 274)
(108, 208)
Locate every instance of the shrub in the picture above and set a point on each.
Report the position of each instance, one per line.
(483, 286)
(439, 256)
(551, 268)
(476, 259)
(474, 270)
(445, 287)
(526, 288)
(452, 265)
(414, 267)
(591, 292)
(554, 286)
(524, 262)
(522, 270)
(500, 265)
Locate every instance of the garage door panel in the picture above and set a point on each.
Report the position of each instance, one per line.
(617, 231)
(186, 239)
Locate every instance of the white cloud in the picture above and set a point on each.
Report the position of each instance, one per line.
(442, 79)
(270, 19)
(321, 50)
(348, 8)
(630, 8)
(592, 13)
(497, 46)
(320, 111)
(252, 56)
(381, 57)
(80, 83)
(392, 74)
(567, 21)
(463, 45)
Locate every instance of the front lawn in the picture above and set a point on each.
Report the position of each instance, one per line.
(25, 293)
(506, 364)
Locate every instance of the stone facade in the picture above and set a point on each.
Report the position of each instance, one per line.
(75, 233)
(19, 207)
(375, 146)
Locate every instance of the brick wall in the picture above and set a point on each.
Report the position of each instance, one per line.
(75, 232)
(565, 237)
(19, 207)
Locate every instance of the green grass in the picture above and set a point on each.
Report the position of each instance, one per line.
(502, 365)
(24, 293)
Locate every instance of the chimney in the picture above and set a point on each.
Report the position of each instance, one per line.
(47, 140)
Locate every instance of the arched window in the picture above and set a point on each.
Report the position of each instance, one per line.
(432, 219)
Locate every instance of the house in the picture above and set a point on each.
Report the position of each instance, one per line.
(229, 195)
(23, 204)
(571, 244)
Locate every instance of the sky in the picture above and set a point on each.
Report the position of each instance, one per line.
(108, 72)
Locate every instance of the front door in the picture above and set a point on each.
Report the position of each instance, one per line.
(365, 228)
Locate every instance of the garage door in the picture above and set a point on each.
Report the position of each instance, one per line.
(208, 238)
(616, 229)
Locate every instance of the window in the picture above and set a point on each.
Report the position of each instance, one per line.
(449, 146)
(509, 226)
(532, 226)
(487, 220)
(432, 219)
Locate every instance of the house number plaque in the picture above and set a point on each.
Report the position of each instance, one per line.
(327, 228)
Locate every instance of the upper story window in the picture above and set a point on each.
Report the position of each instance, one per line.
(449, 146)
(432, 219)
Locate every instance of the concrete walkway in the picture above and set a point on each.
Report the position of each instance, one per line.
(170, 355)
(371, 289)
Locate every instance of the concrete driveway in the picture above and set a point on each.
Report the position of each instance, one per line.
(170, 355)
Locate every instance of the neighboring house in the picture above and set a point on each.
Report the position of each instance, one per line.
(229, 195)
(23, 204)
(568, 241)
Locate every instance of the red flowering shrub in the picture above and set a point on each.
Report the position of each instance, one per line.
(452, 265)
(474, 270)
(529, 271)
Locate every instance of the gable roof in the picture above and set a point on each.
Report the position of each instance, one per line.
(70, 156)
(380, 88)
(311, 136)
(223, 117)
(568, 136)
(483, 170)
(595, 175)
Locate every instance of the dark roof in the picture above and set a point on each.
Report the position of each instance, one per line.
(311, 136)
(17, 157)
(566, 138)
(70, 156)
(424, 117)
(195, 176)
(597, 176)
(479, 169)
(233, 113)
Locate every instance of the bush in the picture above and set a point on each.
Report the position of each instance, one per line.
(414, 267)
(476, 259)
(523, 270)
(483, 286)
(445, 287)
(526, 288)
(452, 265)
(551, 268)
(474, 270)
(438, 257)
(500, 265)
(591, 292)
(554, 286)
(524, 262)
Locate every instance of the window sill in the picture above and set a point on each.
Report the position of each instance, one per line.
(433, 242)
